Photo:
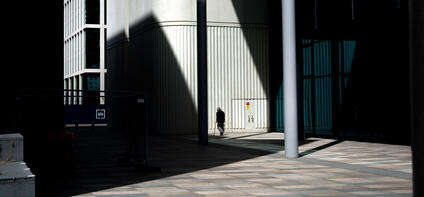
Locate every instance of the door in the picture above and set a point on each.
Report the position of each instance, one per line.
(250, 114)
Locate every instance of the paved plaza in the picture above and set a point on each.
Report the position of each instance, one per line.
(253, 164)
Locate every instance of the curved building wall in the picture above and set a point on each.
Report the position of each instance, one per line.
(162, 60)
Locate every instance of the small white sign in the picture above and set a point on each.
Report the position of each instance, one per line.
(140, 100)
(100, 114)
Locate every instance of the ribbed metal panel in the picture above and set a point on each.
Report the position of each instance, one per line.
(279, 109)
(317, 81)
(307, 86)
(238, 71)
(317, 88)
(349, 52)
(174, 69)
(323, 91)
(346, 54)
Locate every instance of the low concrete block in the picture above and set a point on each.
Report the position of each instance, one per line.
(16, 180)
(11, 148)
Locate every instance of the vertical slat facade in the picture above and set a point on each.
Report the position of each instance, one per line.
(307, 86)
(317, 82)
(238, 70)
(171, 60)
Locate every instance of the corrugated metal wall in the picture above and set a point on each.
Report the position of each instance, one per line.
(238, 71)
(166, 57)
(174, 69)
(307, 87)
(317, 81)
(317, 86)
(346, 54)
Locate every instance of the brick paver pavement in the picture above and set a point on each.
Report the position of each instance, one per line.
(253, 164)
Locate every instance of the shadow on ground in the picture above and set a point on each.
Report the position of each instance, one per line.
(97, 167)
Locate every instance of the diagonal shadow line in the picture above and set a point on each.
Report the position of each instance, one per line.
(313, 150)
(244, 136)
(173, 154)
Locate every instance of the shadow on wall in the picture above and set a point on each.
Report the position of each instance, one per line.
(160, 62)
(256, 37)
(270, 72)
(256, 33)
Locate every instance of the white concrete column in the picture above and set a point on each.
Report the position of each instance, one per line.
(83, 54)
(65, 93)
(75, 79)
(80, 66)
(102, 87)
(72, 16)
(71, 56)
(81, 13)
(64, 20)
(80, 88)
(78, 58)
(77, 18)
(83, 10)
(69, 18)
(102, 12)
(69, 91)
(289, 79)
(102, 51)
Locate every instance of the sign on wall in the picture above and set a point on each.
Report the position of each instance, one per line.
(100, 114)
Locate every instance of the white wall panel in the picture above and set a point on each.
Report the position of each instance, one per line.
(164, 59)
(238, 115)
(175, 66)
(237, 70)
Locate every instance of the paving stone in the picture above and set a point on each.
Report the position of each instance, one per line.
(230, 167)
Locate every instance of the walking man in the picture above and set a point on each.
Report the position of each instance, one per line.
(220, 119)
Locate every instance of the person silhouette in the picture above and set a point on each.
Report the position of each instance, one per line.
(220, 120)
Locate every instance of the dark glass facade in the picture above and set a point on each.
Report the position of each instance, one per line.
(92, 11)
(92, 48)
(91, 87)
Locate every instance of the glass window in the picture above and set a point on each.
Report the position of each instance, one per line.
(92, 48)
(92, 11)
(91, 85)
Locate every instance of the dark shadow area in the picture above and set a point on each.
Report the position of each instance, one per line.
(147, 64)
(310, 151)
(374, 105)
(143, 64)
(275, 66)
(279, 142)
(377, 95)
(416, 44)
(34, 61)
(173, 154)
(256, 134)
